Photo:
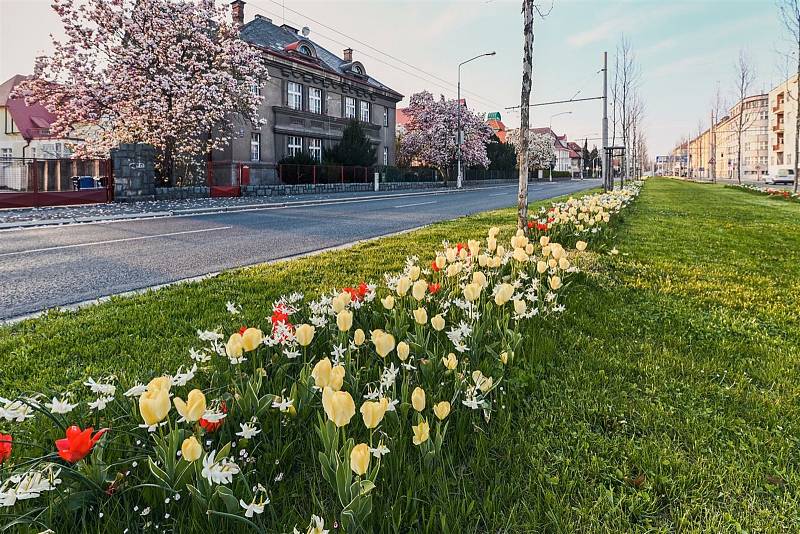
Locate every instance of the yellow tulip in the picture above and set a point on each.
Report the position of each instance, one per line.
(544, 240)
(491, 244)
(463, 254)
(453, 269)
(504, 357)
(483, 260)
(493, 231)
(557, 250)
(520, 307)
(339, 302)
(359, 458)
(552, 263)
(546, 251)
(529, 249)
(501, 251)
(384, 343)
(421, 316)
(235, 346)
(472, 292)
(359, 337)
(421, 433)
(327, 376)
(160, 383)
(580, 245)
(504, 294)
(304, 333)
(541, 267)
(419, 289)
(441, 261)
(191, 450)
(403, 285)
(372, 412)
(438, 323)
(194, 407)
(520, 255)
(251, 339)
(418, 399)
(154, 405)
(474, 247)
(344, 320)
(338, 406)
(555, 282)
(450, 253)
(563, 263)
(403, 350)
(388, 302)
(483, 382)
(450, 362)
(479, 278)
(442, 410)
(413, 272)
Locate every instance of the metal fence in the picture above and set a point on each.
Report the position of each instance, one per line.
(292, 174)
(50, 182)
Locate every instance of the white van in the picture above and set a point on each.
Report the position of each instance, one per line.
(781, 176)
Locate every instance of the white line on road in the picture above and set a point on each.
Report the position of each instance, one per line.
(415, 204)
(138, 238)
(501, 194)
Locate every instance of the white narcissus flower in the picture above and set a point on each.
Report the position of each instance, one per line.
(232, 308)
(182, 378)
(218, 472)
(101, 388)
(136, 391)
(249, 431)
(60, 406)
(253, 507)
(100, 403)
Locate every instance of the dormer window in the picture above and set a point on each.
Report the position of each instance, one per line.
(305, 50)
(355, 67)
(358, 70)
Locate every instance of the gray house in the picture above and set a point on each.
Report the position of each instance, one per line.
(309, 99)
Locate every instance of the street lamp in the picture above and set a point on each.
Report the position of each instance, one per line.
(458, 113)
(551, 129)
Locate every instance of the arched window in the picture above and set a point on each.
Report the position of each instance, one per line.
(357, 69)
(305, 50)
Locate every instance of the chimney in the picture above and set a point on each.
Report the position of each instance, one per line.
(237, 12)
(348, 55)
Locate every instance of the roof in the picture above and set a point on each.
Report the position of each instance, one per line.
(32, 121)
(498, 127)
(401, 117)
(276, 39)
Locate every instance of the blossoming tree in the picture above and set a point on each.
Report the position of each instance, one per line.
(171, 73)
(430, 136)
(540, 148)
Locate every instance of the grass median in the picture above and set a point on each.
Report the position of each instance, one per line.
(665, 398)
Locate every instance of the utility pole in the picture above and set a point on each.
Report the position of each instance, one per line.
(605, 121)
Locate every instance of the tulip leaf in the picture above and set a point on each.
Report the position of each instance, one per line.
(198, 496)
(159, 473)
(226, 494)
(223, 452)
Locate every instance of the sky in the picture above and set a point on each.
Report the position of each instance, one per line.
(684, 49)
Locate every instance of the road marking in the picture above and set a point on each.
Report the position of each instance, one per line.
(501, 194)
(415, 204)
(92, 243)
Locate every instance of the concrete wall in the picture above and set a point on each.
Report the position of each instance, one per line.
(134, 172)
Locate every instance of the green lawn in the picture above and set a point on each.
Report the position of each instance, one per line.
(665, 399)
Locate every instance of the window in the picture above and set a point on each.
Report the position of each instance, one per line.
(305, 50)
(5, 153)
(294, 93)
(255, 146)
(358, 70)
(386, 116)
(364, 111)
(349, 108)
(314, 100)
(386, 155)
(294, 145)
(315, 149)
(255, 89)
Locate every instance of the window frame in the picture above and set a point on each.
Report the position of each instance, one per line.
(311, 107)
(294, 97)
(315, 151)
(347, 101)
(255, 142)
(294, 149)
(361, 110)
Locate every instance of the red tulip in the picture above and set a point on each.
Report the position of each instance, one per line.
(242, 330)
(434, 288)
(5, 447)
(213, 426)
(78, 443)
(530, 224)
(435, 267)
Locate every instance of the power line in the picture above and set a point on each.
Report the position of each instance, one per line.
(448, 87)
(559, 102)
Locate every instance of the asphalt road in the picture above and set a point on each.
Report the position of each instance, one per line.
(58, 266)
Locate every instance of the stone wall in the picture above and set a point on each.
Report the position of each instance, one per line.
(179, 193)
(134, 172)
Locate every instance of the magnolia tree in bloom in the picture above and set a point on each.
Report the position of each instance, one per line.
(171, 73)
(540, 148)
(430, 136)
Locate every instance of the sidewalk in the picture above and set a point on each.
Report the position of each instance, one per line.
(59, 215)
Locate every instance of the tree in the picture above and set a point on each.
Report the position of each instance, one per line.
(430, 136)
(585, 155)
(790, 15)
(355, 148)
(171, 73)
(744, 77)
(502, 156)
(717, 107)
(540, 148)
(595, 161)
(525, 102)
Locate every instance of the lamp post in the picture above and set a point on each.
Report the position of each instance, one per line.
(554, 141)
(460, 179)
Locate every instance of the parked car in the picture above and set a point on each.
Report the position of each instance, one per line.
(781, 176)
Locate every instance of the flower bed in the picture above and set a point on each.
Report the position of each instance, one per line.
(372, 389)
(770, 191)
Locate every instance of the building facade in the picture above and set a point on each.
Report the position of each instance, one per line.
(782, 120)
(310, 97)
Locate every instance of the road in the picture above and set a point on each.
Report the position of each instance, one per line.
(43, 268)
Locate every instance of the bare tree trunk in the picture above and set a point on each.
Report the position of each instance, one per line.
(744, 79)
(524, 133)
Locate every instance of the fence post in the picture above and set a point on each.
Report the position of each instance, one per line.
(341, 172)
(377, 182)
(314, 173)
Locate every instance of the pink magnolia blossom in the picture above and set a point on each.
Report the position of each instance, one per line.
(171, 73)
(430, 135)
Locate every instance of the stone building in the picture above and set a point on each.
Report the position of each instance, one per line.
(308, 100)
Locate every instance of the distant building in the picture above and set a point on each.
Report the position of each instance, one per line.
(26, 129)
(311, 96)
(496, 124)
(563, 156)
(781, 125)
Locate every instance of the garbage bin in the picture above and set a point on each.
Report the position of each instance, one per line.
(86, 182)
